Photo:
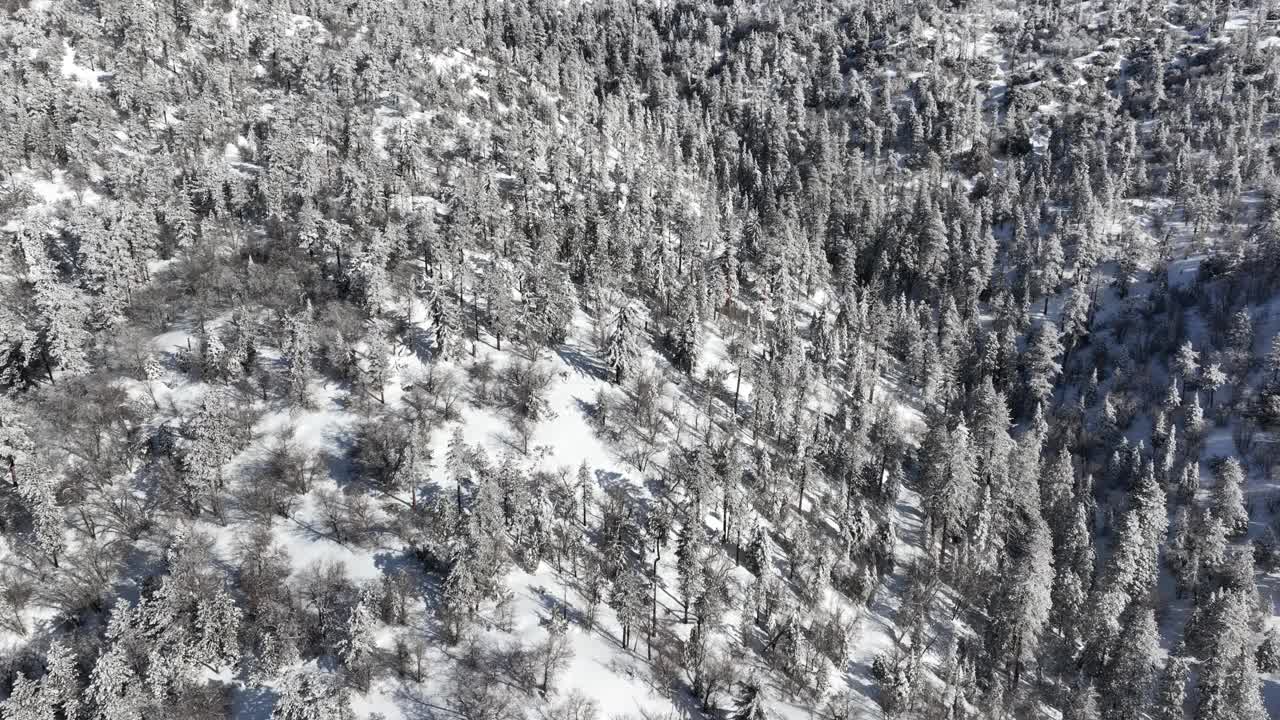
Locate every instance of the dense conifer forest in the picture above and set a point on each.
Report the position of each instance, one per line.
(639, 360)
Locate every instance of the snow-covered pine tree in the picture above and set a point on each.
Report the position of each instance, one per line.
(1212, 380)
(623, 350)
(27, 701)
(1125, 682)
(1228, 497)
(359, 644)
(689, 552)
(298, 347)
(37, 497)
(1186, 363)
(310, 695)
(63, 338)
(1229, 687)
(458, 463)
(749, 703)
(1171, 692)
(1042, 365)
(686, 333)
(211, 441)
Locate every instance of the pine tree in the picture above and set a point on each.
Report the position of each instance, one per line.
(1082, 703)
(1042, 366)
(216, 630)
(1228, 497)
(1050, 267)
(1057, 494)
(1148, 500)
(310, 695)
(630, 600)
(443, 308)
(1127, 677)
(379, 362)
(1125, 580)
(62, 316)
(501, 307)
(1172, 398)
(1240, 337)
(1193, 426)
(582, 489)
(1229, 684)
(36, 492)
(462, 592)
(1213, 379)
(623, 349)
(1021, 603)
(1186, 363)
(298, 348)
(1210, 543)
(458, 463)
(26, 701)
(1170, 699)
(359, 643)
(750, 703)
(61, 686)
(1273, 360)
(114, 690)
(687, 332)
(689, 564)
(953, 500)
(1075, 319)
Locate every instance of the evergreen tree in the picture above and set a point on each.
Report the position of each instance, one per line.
(1213, 379)
(623, 349)
(359, 643)
(749, 704)
(1126, 680)
(686, 334)
(689, 564)
(1042, 366)
(1228, 497)
(26, 701)
(1172, 691)
(1229, 685)
(1186, 363)
(310, 695)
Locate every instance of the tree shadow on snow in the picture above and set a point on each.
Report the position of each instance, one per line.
(1271, 697)
(558, 605)
(339, 462)
(415, 703)
(254, 703)
(583, 363)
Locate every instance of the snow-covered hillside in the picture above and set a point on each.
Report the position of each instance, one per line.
(629, 359)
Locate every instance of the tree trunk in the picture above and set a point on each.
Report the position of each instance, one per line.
(736, 387)
(48, 366)
(942, 552)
